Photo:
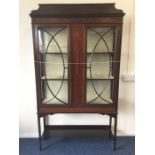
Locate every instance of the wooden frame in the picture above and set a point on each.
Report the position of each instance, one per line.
(77, 17)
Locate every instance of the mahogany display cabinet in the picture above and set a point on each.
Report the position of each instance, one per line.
(77, 49)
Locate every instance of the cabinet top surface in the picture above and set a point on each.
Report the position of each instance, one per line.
(76, 10)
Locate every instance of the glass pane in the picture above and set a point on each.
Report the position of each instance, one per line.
(53, 39)
(100, 49)
(99, 92)
(53, 48)
(100, 39)
(99, 66)
(55, 66)
(55, 92)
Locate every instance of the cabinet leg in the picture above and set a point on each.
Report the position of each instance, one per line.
(39, 132)
(44, 120)
(115, 132)
(110, 121)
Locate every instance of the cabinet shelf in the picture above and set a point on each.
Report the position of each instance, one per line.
(54, 79)
(101, 102)
(87, 53)
(43, 78)
(82, 131)
(95, 78)
(53, 53)
(54, 101)
(100, 79)
(101, 53)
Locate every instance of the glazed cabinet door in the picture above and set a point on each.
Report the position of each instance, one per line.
(54, 69)
(100, 64)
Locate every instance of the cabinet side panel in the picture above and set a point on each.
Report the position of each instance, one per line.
(117, 64)
(37, 65)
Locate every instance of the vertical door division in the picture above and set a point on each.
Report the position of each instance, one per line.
(77, 33)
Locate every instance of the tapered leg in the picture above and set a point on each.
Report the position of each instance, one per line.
(39, 132)
(110, 121)
(44, 120)
(115, 132)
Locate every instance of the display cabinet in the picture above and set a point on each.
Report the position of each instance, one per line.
(77, 59)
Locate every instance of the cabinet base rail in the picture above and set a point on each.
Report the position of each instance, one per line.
(78, 131)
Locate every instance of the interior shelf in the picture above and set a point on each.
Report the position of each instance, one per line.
(53, 52)
(112, 52)
(54, 101)
(76, 131)
(88, 78)
(87, 53)
(99, 77)
(101, 102)
(111, 78)
(58, 78)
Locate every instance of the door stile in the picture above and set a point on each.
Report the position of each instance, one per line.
(78, 71)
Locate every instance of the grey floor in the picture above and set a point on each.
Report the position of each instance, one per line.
(77, 146)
